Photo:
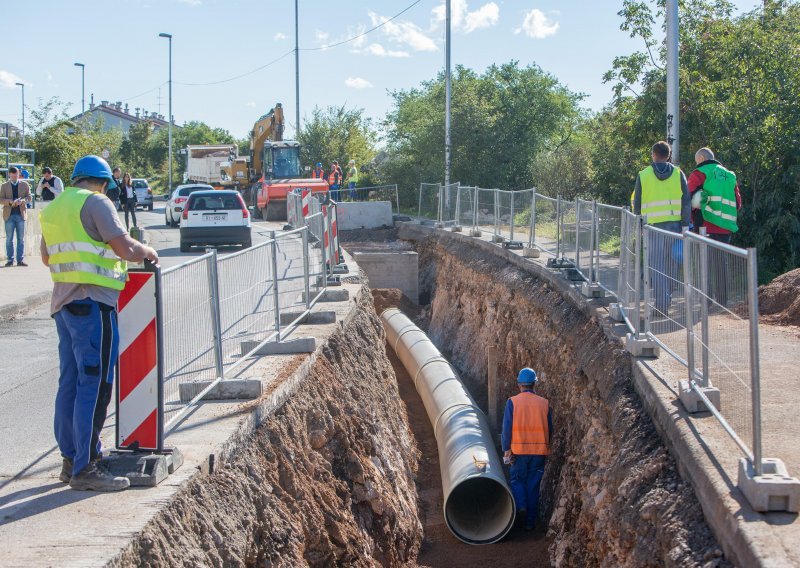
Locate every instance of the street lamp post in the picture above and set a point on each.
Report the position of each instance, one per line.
(83, 90)
(447, 86)
(673, 95)
(23, 112)
(297, 68)
(169, 37)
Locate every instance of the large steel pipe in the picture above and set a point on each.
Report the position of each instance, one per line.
(478, 505)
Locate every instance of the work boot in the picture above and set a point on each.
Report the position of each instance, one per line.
(66, 470)
(92, 478)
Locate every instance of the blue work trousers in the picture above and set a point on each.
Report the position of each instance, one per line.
(351, 185)
(15, 226)
(664, 256)
(88, 345)
(526, 476)
(335, 192)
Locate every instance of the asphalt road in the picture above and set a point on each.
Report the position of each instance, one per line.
(29, 376)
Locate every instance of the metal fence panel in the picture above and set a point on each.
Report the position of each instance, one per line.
(429, 195)
(505, 205)
(584, 238)
(664, 290)
(290, 272)
(486, 212)
(629, 287)
(449, 204)
(522, 201)
(567, 226)
(545, 226)
(608, 248)
(466, 206)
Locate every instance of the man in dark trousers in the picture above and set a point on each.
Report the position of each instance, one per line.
(86, 248)
(527, 428)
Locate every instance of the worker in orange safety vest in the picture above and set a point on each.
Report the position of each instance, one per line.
(318, 173)
(527, 426)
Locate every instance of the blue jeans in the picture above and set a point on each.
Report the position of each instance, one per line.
(664, 256)
(526, 476)
(88, 346)
(335, 192)
(15, 224)
(351, 185)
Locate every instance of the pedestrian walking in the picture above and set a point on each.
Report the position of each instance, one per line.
(335, 180)
(15, 195)
(85, 246)
(661, 194)
(49, 186)
(526, 435)
(716, 201)
(114, 193)
(129, 195)
(352, 179)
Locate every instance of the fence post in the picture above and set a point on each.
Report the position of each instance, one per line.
(704, 331)
(475, 210)
(306, 270)
(419, 208)
(397, 198)
(577, 234)
(755, 364)
(496, 192)
(275, 295)
(595, 267)
(213, 286)
(512, 217)
(637, 276)
(441, 192)
(458, 205)
(648, 306)
(687, 277)
(532, 231)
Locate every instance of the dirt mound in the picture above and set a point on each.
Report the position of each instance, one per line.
(385, 298)
(780, 299)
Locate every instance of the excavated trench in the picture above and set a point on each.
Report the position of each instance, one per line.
(346, 471)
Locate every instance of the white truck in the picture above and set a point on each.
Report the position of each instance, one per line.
(203, 162)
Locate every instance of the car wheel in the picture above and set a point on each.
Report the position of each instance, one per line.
(167, 221)
(185, 247)
(150, 207)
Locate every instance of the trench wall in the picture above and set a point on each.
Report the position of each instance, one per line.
(611, 494)
(326, 480)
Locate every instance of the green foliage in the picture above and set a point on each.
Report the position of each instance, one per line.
(338, 133)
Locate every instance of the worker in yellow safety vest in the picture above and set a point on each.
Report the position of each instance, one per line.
(85, 246)
(661, 196)
(527, 430)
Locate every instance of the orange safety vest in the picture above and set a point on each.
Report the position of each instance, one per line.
(335, 176)
(318, 174)
(529, 432)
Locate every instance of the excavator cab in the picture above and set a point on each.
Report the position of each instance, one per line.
(281, 160)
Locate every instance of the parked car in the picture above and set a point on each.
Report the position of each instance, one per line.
(144, 195)
(178, 199)
(216, 217)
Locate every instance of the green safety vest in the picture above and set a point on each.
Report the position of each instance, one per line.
(353, 174)
(75, 257)
(661, 199)
(718, 202)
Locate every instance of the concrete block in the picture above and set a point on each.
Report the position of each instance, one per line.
(498, 238)
(438, 225)
(642, 347)
(285, 347)
(616, 312)
(456, 228)
(693, 402)
(572, 274)
(331, 296)
(340, 269)
(228, 389)
(313, 318)
(475, 233)
(398, 218)
(775, 490)
(516, 245)
(592, 290)
(392, 270)
(531, 252)
(364, 215)
(560, 263)
(143, 469)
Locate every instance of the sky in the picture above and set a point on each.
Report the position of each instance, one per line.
(219, 46)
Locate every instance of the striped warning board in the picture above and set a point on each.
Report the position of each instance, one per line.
(306, 199)
(335, 234)
(139, 388)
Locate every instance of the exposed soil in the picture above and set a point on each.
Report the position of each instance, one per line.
(327, 480)
(779, 301)
(611, 495)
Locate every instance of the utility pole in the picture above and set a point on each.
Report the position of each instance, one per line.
(83, 87)
(673, 95)
(297, 68)
(169, 127)
(23, 112)
(447, 102)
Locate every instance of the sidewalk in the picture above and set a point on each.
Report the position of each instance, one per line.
(24, 288)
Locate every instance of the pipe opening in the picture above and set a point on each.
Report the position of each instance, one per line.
(479, 510)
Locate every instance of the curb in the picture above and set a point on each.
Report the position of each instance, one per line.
(25, 305)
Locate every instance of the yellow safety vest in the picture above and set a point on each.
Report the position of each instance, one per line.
(661, 199)
(75, 257)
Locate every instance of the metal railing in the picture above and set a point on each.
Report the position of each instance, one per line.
(388, 193)
(694, 297)
(236, 303)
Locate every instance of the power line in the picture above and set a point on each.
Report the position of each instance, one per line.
(362, 34)
(144, 93)
(291, 51)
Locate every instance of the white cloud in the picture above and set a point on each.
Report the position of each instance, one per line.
(321, 36)
(357, 83)
(8, 80)
(380, 51)
(462, 19)
(191, 2)
(251, 104)
(404, 33)
(279, 37)
(537, 25)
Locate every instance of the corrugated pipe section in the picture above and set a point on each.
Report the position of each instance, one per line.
(478, 505)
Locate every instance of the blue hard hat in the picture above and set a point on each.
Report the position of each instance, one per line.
(319, 164)
(96, 167)
(527, 376)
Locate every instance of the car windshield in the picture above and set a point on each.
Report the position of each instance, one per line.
(286, 162)
(184, 191)
(139, 184)
(211, 202)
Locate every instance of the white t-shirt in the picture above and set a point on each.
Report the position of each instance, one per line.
(129, 192)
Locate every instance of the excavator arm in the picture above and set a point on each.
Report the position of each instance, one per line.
(268, 127)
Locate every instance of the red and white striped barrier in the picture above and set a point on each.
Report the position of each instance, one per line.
(139, 397)
(326, 239)
(335, 235)
(306, 198)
